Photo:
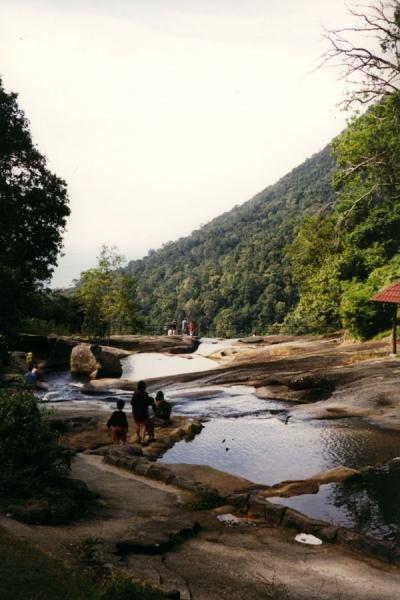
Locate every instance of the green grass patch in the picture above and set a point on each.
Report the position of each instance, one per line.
(382, 335)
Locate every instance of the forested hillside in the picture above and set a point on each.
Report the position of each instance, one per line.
(279, 262)
(232, 275)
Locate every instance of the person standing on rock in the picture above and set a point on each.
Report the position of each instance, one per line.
(191, 328)
(140, 411)
(184, 326)
(118, 423)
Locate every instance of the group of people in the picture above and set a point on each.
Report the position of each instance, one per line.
(145, 424)
(187, 328)
(118, 423)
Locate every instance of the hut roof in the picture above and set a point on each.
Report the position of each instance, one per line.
(389, 294)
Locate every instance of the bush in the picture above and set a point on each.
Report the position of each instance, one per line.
(31, 456)
(362, 317)
(358, 313)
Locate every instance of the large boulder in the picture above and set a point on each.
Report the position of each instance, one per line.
(92, 360)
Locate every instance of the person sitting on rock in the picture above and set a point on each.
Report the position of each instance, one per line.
(162, 411)
(29, 359)
(140, 411)
(118, 423)
(31, 376)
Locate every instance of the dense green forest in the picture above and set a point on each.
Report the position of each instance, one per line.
(233, 275)
(340, 260)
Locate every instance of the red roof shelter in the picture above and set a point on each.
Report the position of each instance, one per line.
(391, 294)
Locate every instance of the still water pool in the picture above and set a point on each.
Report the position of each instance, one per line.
(266, 450)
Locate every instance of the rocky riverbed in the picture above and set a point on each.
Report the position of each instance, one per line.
(316, 380)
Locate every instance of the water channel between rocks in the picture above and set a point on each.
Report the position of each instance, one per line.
(251, 437)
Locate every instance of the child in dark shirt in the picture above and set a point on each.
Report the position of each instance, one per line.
(118, 423)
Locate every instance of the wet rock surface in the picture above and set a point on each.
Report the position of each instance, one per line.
(173, 344)
(371, 382)
(87, 431)
(54, 352)
(323, 378)
(311, 485)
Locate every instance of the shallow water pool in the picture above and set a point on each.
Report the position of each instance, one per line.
(265, 450)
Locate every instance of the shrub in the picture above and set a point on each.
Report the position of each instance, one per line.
(31, 456)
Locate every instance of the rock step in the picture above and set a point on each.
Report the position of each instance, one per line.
(157, 536)
(146, 468)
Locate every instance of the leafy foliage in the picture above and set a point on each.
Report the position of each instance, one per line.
(107, 296)
(53, 312)
(33, 212)
(355, 251)
(233, 275)
(30, 453)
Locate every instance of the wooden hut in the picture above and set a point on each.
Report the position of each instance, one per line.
(391, 295)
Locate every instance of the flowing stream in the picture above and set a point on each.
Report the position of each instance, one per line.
(252, 438)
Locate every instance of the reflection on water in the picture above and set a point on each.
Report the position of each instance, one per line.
(266, 450)
(370, 504)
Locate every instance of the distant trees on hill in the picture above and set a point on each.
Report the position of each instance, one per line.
(233, 275)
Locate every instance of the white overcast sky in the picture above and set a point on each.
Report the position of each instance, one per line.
(162, 114)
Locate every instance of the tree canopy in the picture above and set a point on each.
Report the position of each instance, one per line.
(107, 296)
(33, 213)
(341, 260)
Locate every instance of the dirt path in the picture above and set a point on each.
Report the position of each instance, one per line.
(219, 562)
